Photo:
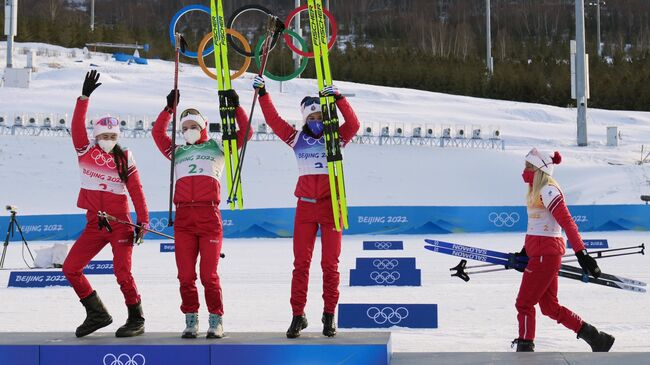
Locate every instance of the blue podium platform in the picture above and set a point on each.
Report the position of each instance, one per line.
(351, 348)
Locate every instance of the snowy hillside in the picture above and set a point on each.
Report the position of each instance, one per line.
(39, 174)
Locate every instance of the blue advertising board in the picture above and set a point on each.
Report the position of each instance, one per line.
(388, 315)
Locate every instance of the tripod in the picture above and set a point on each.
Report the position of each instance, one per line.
(13, 222)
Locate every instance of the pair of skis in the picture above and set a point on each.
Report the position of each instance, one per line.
(233, 160)
(510, 261)
(330, 117)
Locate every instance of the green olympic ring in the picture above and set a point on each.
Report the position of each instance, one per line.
(298, 71)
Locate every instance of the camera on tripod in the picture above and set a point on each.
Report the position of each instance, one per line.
(12, 208)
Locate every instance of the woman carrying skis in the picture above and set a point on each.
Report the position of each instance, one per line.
(547, 217)
(198, 165)
(314, 207)
(107, 172)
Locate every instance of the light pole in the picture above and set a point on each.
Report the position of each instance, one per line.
(92, 15)
(488, 57)
(597, 4)
(581, 75)
(11, 28)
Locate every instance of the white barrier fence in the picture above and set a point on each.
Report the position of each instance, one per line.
(52, 124)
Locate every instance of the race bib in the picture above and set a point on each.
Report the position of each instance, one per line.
(310, 154)
(205, 159)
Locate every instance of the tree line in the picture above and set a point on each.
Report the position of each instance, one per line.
(436, 45)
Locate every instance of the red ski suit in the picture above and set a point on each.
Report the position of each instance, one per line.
(197, 226)
(314, 208)
(103, 190)
(545, 247)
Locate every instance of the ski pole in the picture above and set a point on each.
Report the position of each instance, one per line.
(272, 34)
(105, 217)
(595, 254)
(178, 47)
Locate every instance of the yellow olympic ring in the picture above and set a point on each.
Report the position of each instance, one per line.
(204, 42)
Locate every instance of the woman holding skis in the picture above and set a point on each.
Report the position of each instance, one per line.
(314, 207)
(547, 217)
(198, 165)
(108, 172)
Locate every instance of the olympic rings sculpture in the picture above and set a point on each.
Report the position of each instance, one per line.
(247, 52)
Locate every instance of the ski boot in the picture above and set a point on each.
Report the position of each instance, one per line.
(599, 341)
(134, 325)
(216, 326)
(191, 325)
(96, 315)
(329, 328)
(298, 323)
(524, 345)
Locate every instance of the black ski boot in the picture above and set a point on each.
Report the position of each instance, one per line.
(599, 341)
(298, 323)
(524, 345)
(134, 325)
(329, 328)
(96, 315)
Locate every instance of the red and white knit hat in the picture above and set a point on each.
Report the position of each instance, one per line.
(106, 125)
(544, 161)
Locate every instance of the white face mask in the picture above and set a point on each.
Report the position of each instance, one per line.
(192, 135)
(106, 145)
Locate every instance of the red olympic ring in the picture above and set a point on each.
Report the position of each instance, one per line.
(289, 41)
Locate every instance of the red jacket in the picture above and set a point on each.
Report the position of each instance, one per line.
(101, 187)
(195, 189)
(309, 186)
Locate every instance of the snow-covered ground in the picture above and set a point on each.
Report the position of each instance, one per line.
(34, 167)
(40, 175)
(256, 275)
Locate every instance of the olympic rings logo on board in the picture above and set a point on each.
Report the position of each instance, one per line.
(385, 264)
(158, 224)
(504, 219)
(102, 159)
(384, 277)
(387, 314)
(383, 245)
(123, 359)
(247, 52)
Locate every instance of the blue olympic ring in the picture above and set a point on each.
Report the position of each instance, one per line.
(172, 29)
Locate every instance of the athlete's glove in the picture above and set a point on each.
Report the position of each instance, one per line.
(332, 90)
(140, 232)
(170, 99)
(518, 260)
(231, 96)
(588, 263)
(90, 83)
(260, 85)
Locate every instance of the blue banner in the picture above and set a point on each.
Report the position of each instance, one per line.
(278, 222)
(167, 247)
(388, 315)
(385, 263)
(316, 354)
(385, 277)
(37, 279)
(124, 354)
(99, 267)
(383, 245)
(19, 355)
(601, 243)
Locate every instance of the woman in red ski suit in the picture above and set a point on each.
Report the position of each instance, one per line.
(107, 173)
(314, 208)
(548, 215)
(198, 165)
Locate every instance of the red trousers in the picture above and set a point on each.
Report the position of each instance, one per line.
(309, 217)
(539, 285)
(91, 241)
(198, 230)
